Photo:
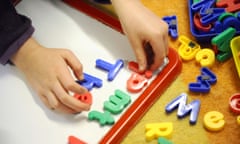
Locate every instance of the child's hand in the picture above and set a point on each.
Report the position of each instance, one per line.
(142, 26)
(47, 70)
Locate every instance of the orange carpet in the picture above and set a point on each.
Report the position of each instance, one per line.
(217, 99)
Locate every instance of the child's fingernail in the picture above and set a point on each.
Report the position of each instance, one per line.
(141, 68)
(81, 77)
(77, 113)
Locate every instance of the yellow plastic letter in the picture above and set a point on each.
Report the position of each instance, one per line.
(156, 130)
(214, 121)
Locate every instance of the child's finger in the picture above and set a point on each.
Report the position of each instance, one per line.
(139, 53)
(70, 101)
(74, 64)
(68, 83)
(159, 53)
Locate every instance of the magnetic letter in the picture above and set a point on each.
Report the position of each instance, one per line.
(156, 130)
(213, 121)
(117, 102)
(112, 69)
(136, 82)
(90, 81)
(183, 109)
(103, 118)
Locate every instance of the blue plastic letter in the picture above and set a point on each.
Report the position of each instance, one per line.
(90, 81)
(183, 109)
(112, 69)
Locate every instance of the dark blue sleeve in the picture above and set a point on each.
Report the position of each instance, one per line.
(103, 1)
(15, 29)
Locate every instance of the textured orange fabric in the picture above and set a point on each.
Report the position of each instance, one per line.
(217, 99)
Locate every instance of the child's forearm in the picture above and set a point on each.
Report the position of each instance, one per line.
(124, 7)
(123, 4)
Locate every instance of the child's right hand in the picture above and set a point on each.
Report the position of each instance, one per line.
(142, 27)
(49, 73)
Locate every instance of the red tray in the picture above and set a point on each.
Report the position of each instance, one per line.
(152, 93)
(95, 12)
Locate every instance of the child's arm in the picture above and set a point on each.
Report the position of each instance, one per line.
(47, 71)
(142, 26)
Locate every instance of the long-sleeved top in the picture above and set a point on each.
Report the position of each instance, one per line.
(103, 1)
(15, 30)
